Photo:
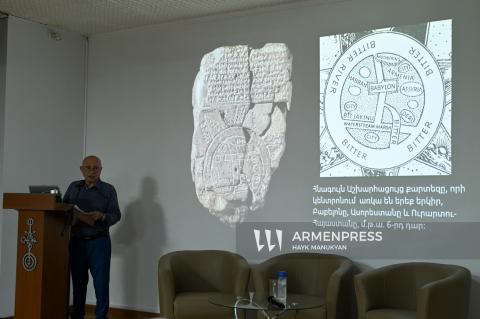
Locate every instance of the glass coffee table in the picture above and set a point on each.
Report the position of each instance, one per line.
(295, 302)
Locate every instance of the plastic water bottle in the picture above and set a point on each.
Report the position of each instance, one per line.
(282, 287)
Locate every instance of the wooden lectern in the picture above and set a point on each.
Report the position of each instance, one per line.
(42, 283)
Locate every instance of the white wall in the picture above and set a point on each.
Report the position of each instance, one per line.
(43, 124)
(140, 123)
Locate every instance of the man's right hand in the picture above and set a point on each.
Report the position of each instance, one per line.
(96, 215)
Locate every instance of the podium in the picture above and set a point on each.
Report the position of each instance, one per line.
(42, 282)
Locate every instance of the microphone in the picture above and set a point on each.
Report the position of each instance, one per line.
(275, 302)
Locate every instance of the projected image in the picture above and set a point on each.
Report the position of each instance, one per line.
(240, 101)
(385, 102)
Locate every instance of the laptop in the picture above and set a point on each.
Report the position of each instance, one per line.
(46, 189)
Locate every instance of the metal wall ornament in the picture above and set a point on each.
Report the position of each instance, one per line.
(29, 261)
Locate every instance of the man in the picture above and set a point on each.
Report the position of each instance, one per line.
(90, 245)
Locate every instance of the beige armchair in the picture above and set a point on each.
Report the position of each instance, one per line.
(186, 279)
(325, 276)
(413, 291)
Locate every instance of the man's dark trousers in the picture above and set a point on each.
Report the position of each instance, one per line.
(90, 254)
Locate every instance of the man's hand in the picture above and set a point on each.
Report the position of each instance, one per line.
(96, 215)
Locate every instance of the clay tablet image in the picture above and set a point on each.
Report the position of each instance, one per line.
(240, 101)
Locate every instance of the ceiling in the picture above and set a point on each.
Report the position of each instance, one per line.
(89, 17)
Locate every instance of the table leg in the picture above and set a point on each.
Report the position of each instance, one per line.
(275, 316)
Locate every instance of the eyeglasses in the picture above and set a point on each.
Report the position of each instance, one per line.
(92, 168)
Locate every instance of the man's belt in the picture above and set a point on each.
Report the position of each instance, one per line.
(100, 235)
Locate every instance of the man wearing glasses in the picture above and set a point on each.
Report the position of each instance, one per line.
(90, 246)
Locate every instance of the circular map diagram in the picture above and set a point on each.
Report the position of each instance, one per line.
(384, 100)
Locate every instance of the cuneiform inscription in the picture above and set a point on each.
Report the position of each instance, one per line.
(227, 76)
(240, 100)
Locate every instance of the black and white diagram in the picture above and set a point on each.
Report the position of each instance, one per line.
(385, 102)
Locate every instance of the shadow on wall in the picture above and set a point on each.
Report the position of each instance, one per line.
(138, 241)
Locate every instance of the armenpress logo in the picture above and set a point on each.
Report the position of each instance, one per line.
(268, 239)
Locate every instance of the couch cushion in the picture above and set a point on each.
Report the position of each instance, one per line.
(196, 306)
(390, 314)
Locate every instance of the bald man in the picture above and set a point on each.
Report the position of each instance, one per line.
(90, 246)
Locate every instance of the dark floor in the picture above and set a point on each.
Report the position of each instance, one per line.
(121, 314)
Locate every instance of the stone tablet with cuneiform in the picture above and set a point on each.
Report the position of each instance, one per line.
(240, 101)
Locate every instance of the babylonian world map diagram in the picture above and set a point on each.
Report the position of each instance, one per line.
(385, 102)
(240, 101)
